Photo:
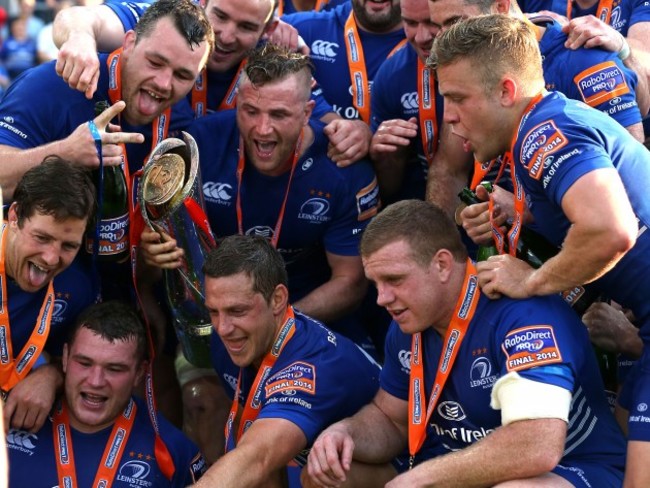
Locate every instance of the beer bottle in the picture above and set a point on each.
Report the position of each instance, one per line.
(113, 211)
(468, 197)
(535, 249)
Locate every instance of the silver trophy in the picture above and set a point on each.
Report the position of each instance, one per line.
(171, 199)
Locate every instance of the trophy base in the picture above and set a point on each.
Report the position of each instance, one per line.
(195, 344)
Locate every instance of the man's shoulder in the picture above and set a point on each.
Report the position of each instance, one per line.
(221, 122)
(320, 339)
(312, 19)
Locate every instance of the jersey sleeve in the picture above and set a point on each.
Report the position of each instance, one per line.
(49, 113)
(542, 341)
(307, 390)
(640, 12)
(129, 13)
(395, 372)
(358, 203)
(604, 83)
(556, 153)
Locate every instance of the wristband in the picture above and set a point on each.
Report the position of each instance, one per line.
(624, 52)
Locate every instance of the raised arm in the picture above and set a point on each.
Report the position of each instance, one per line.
(341, 294)
(599, 213)
(80, 32)
(78, 147)
(449, 171)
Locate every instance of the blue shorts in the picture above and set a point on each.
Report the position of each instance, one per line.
(635, 397)
(591, 475)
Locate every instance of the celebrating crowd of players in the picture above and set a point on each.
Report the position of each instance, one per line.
(356, 341)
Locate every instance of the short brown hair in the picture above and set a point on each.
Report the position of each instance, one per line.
(423, 225)
(494, 44)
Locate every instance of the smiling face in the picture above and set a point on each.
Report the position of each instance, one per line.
(270, 118)
(245, 321)
(99, 378)
(475, 114)
(238, 27)
(40, 248)
(158, 71)
(419, 29)
(377, 15)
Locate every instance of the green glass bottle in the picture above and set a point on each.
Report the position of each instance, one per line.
(113, 228)
(535, 249)
(468, 197)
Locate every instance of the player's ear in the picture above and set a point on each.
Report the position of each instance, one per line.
(279, 299)
(501, 7)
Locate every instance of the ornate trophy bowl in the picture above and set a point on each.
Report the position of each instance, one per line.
(171, 199)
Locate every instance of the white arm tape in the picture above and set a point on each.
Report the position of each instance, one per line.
(523, 399)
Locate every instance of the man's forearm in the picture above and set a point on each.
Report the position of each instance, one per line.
(583, 259)
(80, 22)
(333, 299)
(377, 439)
(16, 162)
(509, 453)
(240, 469)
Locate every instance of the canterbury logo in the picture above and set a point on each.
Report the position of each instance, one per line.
(324, 48)
(217, 190)
(21, 438)
(410, 101)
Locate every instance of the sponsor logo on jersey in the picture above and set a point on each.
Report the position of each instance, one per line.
(198, 467)
(315, 210)
(368, 201)
(451, 410)
(530, 346)
(404, 358)
(480, 374)
(410, 102)
(551, 165)
(260, 230)
(601, 83)
(307, 164)
(8, 123)
(324, 50)
(60, 307)
(461, 434)
(231, 380)
(135, 473)
(215, 191)
(22, 441)
(541, 141)
(298, 376)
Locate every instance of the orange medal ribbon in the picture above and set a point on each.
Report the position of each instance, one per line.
(463, 314)
(64, 453)
(519, 197)
(603, 11)
(428, 122)
(253, 405)
(358, 72)
(160, 128)
(14, 370)
(240, 173)
(200, 92)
